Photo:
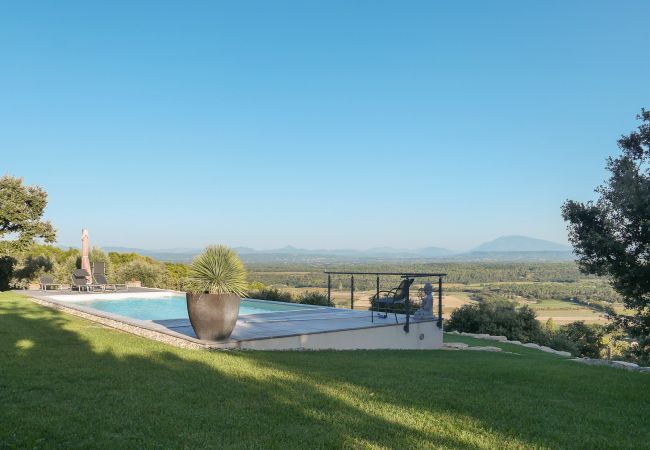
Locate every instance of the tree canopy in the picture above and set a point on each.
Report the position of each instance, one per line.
(21, 212)
(611, 235)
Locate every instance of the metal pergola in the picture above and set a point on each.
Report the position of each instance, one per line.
(401, 275)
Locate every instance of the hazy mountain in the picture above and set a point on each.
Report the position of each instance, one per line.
(172, 255)
(244, 250)
(520, 244)
(543, 256)
(143, 251)
(506, 248)
(292, 253)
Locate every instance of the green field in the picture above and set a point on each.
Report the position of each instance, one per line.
(67, 382)
(554, 304)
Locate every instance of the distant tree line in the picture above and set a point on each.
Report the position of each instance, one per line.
(311, 275)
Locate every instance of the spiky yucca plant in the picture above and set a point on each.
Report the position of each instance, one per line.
(218, 270)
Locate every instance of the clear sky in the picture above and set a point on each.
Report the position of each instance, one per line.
(317, 124)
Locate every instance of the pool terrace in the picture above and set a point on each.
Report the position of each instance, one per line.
(303, 328)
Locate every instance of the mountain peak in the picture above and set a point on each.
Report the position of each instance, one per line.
(517, 243)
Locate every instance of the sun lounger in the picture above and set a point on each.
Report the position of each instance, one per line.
(47, 282)
(100, 280)
(80, 281)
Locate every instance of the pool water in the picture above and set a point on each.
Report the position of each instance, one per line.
(175, 307)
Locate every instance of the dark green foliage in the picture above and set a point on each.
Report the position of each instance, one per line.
(7, 264)
(314, 298)
(612, 235)
(498, 318)
(578, 338)
(502, 318)
(586, 338)
(271, 293)
(560, 341)
(32, 268)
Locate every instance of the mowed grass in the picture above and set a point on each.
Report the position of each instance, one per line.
(68, 382)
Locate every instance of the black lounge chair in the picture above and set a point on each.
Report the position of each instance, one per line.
(391, 299)
(100, 280)
(47, 282)
(80, 281)
(99, 267)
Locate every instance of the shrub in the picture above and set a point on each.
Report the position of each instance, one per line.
(176, 276)
(586, 338)
(271, 293)
(120, 259)
(314, 298)
(147, 273)
(578, 338)
(64, 269)
(560, 341)
(501, 318)
(505, 319)
(7, 264)
(31, 268)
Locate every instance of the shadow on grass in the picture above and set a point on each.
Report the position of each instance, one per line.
(67, 382)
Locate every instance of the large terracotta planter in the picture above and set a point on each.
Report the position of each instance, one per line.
(213, 316)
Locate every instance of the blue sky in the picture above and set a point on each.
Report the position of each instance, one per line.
(317, 124)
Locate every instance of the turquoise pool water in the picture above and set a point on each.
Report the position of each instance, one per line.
(175, 307)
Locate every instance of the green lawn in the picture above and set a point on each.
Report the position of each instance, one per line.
(556, 304)
(67, 382)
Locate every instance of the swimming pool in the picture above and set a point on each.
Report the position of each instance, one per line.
(174, 306)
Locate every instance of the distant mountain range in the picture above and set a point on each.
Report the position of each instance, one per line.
(505, 248)
(378, 251)
(521, 244)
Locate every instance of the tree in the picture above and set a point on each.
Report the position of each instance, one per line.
(146, 272)
(587, 338)
(611, 236)
(21, 211)
(21, 223)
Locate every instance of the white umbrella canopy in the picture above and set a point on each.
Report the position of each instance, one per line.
(85, 253)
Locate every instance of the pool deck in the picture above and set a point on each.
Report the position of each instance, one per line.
(302, 329)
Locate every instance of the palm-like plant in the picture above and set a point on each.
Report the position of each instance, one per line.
(218, 270)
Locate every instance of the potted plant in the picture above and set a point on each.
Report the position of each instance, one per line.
(217, 281)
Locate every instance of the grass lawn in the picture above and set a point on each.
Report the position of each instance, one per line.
(67, 382)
